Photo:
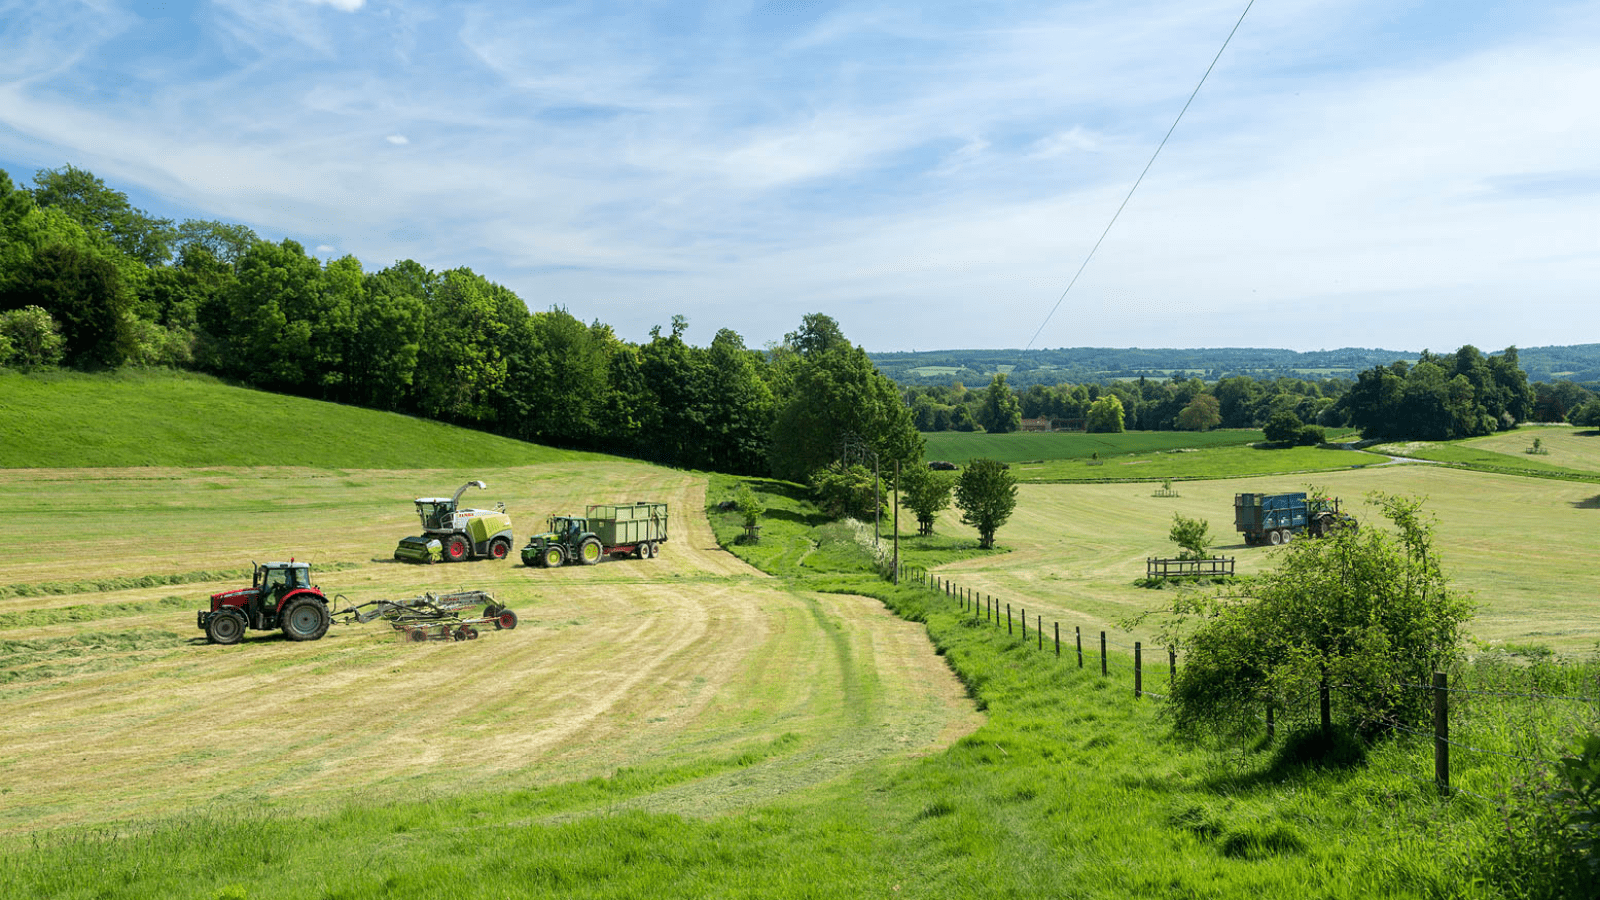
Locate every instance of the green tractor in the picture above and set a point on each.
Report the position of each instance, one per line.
(454, 534)
(615, 529)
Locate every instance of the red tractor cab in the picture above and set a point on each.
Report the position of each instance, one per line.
(280, 596)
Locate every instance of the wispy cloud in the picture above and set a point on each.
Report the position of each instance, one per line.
(930, 175)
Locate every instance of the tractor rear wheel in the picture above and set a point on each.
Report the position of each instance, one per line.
(224, 628)
(456, 548)
(506, 621)
(554, 557)
(499, 548)
(305, 619)
(590, 551)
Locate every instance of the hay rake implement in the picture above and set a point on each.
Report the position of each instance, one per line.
(434, 617)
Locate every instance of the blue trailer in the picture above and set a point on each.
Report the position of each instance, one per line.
(1276, 518)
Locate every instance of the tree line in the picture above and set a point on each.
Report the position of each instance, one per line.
(89, 281)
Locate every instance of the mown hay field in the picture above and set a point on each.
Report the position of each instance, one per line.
(1524, 547)
(116, 708)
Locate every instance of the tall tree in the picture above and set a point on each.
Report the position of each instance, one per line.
(986, 494)
(89, 202)
(835, 397)
(1000, 413)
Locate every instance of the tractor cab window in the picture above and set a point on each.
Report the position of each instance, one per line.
(276, 578)
(299, 577)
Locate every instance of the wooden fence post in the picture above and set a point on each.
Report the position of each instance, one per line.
(1138, 670)
(1024, 623)
(1102, 653)
(1058, 640)
(1441, 732)
(1172, 669)
(1008, 618)
(1077, 631)
(1038, 631)
(1327, 706)
(1270, 728)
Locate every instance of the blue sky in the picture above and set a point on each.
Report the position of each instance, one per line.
(1395, 174)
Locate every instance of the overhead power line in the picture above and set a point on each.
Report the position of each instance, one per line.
(1141, 175)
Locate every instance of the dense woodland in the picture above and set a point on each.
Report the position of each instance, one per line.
(89, 281)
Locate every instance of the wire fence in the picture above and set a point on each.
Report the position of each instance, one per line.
(1475, 730)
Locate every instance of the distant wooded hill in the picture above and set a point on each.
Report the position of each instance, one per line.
(1024, 368)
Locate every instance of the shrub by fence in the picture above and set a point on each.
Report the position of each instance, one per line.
(1550, 719)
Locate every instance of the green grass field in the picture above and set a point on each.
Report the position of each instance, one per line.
(162, 418)
(1568, 452)
(1140, 455)
(783, 724)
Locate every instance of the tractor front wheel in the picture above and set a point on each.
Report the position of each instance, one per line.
(456, 548)
(554, 557)
(305, 619)
(224, 628)
(499, 548)
(590, 551)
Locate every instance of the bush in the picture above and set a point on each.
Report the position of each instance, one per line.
(846, 492)
(30, 338)
(1362, 609)
(1283, 428)
(1550, 846)
(1310, 436)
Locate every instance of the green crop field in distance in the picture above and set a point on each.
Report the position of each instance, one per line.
(162, 418)
(958, 447)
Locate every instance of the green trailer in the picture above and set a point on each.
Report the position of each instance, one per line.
(615, 529)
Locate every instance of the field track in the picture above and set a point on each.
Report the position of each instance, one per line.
(126, 713)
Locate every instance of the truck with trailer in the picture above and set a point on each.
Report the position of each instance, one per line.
(1276, 518)
(615, 529)
(454, 534)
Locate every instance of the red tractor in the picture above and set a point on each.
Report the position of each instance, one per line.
(280, 595)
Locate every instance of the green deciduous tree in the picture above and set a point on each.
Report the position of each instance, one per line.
(1202, 414)
(1372, 613)
(830, 395)
(1193, 536)
(986, 494)
(926, 493)
(1000, 412)
(90, 203)
(1105, 415)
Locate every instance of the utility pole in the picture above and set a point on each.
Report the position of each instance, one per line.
(896, 521)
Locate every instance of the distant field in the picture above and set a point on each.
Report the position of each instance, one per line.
(160, 418)
(930, 371)
(1566, 449)
(958, 447)
(1525, 547)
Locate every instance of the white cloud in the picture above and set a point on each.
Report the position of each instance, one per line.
(348, 6)
(927, 182)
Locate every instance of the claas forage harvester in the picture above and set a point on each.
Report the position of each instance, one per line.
(454, 534)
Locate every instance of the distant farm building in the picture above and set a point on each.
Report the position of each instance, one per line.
(1036, 425)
